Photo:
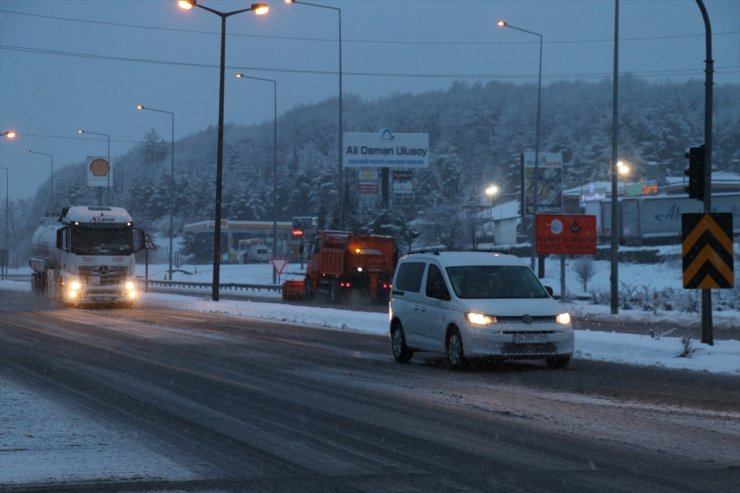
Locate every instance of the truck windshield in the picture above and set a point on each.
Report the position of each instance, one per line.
(495, 281)
(102, 241)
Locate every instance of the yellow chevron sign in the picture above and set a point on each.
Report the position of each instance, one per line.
(707, 251)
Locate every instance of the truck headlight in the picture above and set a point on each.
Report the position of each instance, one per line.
(480, 319)
(130, 289)
(75, 285)
(563, 318)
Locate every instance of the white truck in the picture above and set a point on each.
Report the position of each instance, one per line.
(87, 257)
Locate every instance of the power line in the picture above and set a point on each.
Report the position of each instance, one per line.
(364, 41)
(585, 75)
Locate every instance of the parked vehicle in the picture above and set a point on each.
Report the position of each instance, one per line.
(343, 265)
(87, 256)
(475, 304)
(254, 250)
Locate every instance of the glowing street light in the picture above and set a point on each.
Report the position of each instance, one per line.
(141, 107)
(340, 153)
(8, 134)
(624, 170)
(502, 23)
(258, 9)
(274, 165)
(51, 177)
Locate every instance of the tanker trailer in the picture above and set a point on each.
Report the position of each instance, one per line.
(87, 257)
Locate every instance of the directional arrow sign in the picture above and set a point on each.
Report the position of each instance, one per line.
(707, 251)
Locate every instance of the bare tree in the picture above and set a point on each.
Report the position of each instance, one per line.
(585, 271)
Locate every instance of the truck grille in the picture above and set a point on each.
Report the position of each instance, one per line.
(103, 275)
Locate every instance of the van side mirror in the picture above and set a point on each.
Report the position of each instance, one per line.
(550, 291)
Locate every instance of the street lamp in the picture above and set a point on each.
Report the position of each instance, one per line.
(340, 152)
(274, 166)
(7, 221)
(624, 170)
(503, 23)
(9, 134)
(51, 177)
(82, 131)
(141, 107)
(258, 9)
(491, 191)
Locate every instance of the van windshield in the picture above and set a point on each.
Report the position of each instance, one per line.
(495, 281)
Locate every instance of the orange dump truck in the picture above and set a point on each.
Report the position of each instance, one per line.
(344, 266)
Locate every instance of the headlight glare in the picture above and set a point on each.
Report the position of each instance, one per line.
(480, 319)
(563, 318)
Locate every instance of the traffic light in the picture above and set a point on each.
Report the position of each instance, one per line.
(695, 172)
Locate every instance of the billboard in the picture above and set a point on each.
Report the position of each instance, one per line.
(385, 149)
(99, 173)
(565, 234)
(548, 184)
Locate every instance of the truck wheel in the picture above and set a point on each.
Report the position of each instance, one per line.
(334, 293)
(38, 284)
(307, 289)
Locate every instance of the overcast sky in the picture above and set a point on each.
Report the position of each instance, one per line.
(69, 64)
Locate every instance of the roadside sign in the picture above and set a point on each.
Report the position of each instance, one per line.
(565, 234)
(706, 246)
(279, 264)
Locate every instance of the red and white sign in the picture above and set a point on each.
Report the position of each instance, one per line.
(279, 264)
(565, 233)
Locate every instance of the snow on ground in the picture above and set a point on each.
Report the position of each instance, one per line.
(42, 440)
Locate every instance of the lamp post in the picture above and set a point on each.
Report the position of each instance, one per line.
(492, 191)
(51, 177)
(274, 166)
(259, 9)
(503, 23)
(340, 150)
(8, 134)
(82, 131)
(141, 107)
(7, 221)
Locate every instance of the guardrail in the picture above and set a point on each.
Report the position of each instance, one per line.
(18, 277)
(186, 285)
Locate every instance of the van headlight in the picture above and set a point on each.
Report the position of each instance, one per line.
(75, 285)
(563, 318)
(480, 319)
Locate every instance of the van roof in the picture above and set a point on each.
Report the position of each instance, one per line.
(451, 259)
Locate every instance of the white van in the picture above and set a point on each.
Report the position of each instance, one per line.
(475, 304)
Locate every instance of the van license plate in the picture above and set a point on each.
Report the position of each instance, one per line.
(529, 338)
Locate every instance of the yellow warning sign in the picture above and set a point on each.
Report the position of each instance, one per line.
(706, 247)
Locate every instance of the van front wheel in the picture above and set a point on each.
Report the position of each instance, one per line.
(455, 354)
(401, 351)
